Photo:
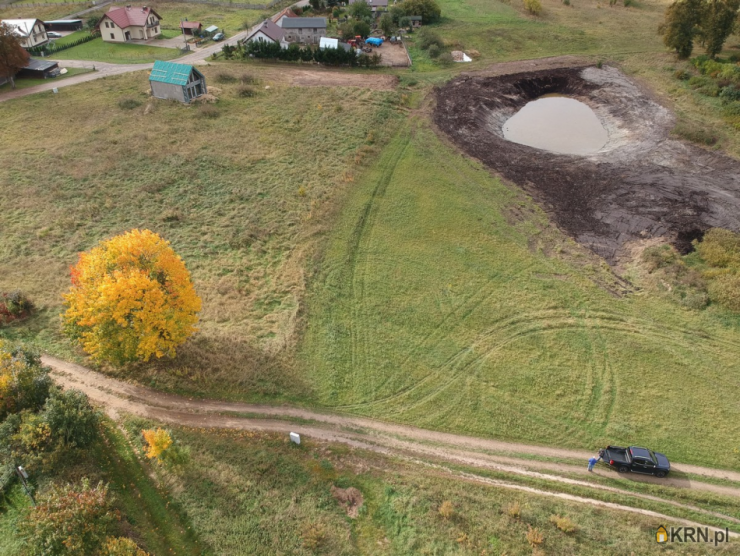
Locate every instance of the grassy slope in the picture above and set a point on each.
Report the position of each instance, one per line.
(21, 11)
(239, 197)
(127, 53)
(250, 493)
(502, 32)
(446, 301)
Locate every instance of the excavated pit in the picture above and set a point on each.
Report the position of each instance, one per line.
(640, 184)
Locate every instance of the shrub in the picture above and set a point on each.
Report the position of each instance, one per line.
(313, 536)
(533, 6)
(445, 58)
(434, 51)
(563, 523)
(247, 79)
(566, 2)
(224, 77)
(429, 10)
(534, 536)
(682, 75)
(121, 546)
(208, 111)
(69, 520)
(720, 248)
(725, 290)
(628, 3)
(71, 418)
(513, 510)
(245, 91)
(24, 383)
(157, 441)
(695, 134)
(427, 38)
(129, 103)
(446, 510)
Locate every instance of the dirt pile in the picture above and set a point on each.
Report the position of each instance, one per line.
(641, 184)
(349, 498)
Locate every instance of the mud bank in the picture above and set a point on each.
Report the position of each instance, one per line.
(641, 184)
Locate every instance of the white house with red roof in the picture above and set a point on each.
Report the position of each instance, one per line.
(130, 23)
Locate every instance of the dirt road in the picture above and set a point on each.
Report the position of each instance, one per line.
(117, 396)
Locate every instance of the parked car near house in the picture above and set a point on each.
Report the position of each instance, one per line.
(53, 35)
(219, 37)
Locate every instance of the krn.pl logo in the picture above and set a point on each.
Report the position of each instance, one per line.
(661, 535)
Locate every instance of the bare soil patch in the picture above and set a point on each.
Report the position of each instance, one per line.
(640, 185)
(349, 498)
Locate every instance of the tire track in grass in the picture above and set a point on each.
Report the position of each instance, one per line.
(357, 258)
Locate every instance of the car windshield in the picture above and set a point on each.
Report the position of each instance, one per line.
(652, 456)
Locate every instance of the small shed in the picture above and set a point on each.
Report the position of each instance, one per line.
(415, 20)
(191, 27)
(40, 69)
(176, 82)
(211, 30)
(63, 25)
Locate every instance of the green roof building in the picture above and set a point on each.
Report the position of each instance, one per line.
(176, 81)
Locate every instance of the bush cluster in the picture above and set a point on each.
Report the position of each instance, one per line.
(296, 53)
(14, 305)
(533, 6)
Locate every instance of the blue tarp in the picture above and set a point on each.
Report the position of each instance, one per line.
(374, 41)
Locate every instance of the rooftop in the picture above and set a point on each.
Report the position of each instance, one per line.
(303, 22)
(268, 28)
(129, 15)
(169, 72)
(21, 27)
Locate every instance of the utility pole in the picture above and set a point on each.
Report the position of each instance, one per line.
(23, 476)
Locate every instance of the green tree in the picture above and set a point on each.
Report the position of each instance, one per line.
(386, 25)
(429, 10)
(317, 4)
(71, 418)
(92, 22)
(681, 26)
(362, 28)
(69, 521)
(360, 10)
(718, 21)
(12, 55)
(24, 382)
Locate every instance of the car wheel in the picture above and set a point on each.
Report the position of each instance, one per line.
(623, 469)
(660, 474)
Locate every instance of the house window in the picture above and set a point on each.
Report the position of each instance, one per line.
(112, 36)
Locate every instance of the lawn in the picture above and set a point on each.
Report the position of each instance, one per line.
(72, 37)
(503, 31)
(231, 20)
(252, 493)
(22, 11)
(243, 198)
(24, 82)
(447, 300)
(124, 53)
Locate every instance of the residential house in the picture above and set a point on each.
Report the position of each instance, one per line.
(415, 21)
(191, 27)
(176, 82)
(375, 5)
(305, 30)
(267, 31)
(31, 32)
(278, 17)
(130, 23)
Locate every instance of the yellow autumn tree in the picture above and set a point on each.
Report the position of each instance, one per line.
(157, 442)
(131, 298)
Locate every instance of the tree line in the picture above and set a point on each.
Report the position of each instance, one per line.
(294, 53)
(710, 22)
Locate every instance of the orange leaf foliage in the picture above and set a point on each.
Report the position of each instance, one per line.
(131, 298)
(158, 440)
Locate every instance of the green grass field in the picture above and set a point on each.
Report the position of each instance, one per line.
(22, 11)
(252, 493)
(446, 300)
(504, 31)
(241, 197)
(72, 37)
(124, 53)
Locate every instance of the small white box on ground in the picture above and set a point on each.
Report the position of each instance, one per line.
(295, 438)
(55, 90)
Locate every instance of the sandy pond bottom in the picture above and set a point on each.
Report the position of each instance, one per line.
(557, 124)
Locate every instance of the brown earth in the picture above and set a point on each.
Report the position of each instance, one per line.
(349, 498)
(641, 184)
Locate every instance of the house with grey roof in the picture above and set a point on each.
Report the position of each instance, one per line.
(305, 30)
(30, 32)
(267, 31)
(176, 82)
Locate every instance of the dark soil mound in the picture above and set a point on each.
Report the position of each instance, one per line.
(640, 185)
